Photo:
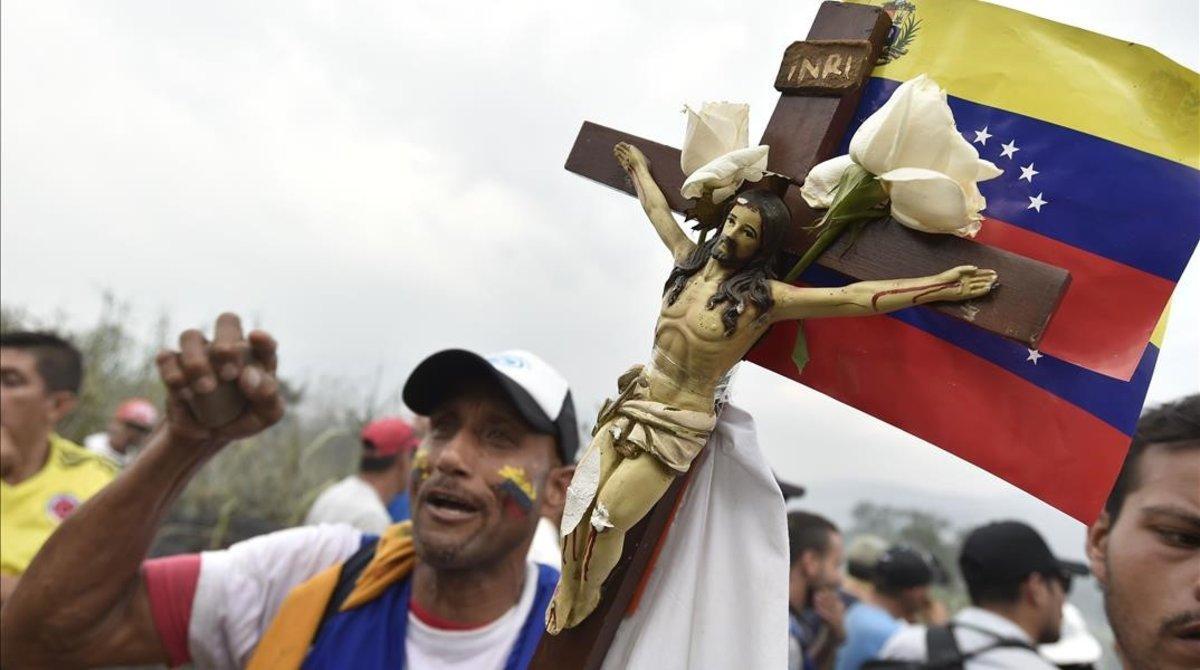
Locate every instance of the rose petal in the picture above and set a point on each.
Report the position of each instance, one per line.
(915, 128)
(930, 201)
(987, 170)
(732, 115)
(700, 144)
(876, 140)
(927, 137)
(729, 170)
(724, 192)
(719, 127)
(822, 180)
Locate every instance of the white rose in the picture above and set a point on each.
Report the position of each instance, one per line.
(715, 154)
(929, 170)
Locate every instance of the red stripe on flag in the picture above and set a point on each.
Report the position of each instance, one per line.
(952, 398)
(1119, 301)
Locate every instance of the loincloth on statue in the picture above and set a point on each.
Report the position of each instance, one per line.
(637, 425)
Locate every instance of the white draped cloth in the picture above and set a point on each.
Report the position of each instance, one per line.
(718, 595)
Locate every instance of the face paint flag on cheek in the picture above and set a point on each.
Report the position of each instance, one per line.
(515, 490)
(420, 468)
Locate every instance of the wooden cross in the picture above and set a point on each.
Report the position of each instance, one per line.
(818, 98)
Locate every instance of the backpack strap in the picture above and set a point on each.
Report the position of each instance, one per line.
(1000, 641)
(942, 648)
(351, 569)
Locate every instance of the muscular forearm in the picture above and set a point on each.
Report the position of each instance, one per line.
(86, 579)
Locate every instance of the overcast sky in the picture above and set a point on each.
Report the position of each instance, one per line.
(373, 181)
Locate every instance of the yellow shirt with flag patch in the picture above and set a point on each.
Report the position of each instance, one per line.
(32, 509)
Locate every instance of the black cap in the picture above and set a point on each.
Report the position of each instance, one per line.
(902, 567)
(789, 490)
(1005, 552)
(538, 391)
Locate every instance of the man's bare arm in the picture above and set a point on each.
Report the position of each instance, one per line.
(83, 601)
(653, 203)
(879, 297)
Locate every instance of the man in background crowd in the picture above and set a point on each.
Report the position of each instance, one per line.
(900, 593)
(44, 476)
(1017, 590)
(861, 556)
(126, 432)
(1145, 547)
(815, 625)
(383, 473)
(453, 589)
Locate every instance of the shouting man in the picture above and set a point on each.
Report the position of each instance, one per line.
(451, 590)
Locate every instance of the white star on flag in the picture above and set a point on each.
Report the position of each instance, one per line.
(1036, 202)
(1028, 172)
(1034, 356)
(981, 136)
(1007, 150)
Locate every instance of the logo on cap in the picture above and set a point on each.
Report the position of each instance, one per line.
(507, 360)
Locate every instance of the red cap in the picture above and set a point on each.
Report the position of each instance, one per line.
(138, 411)
(389, 436)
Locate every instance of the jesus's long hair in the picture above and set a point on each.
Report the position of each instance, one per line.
(751, 283)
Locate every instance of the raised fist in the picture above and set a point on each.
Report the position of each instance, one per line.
(221, 390)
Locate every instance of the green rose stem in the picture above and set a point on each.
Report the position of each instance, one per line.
(855, 200)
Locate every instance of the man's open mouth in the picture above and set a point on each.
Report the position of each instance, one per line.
(450, 506)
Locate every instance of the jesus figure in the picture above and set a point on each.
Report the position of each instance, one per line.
(718, 301)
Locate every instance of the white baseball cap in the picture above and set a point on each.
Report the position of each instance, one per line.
(538, 391)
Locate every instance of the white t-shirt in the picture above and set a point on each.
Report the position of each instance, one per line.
(485, 648)
(240, 589)
(350, 501)
(909, 643)
(239, 592)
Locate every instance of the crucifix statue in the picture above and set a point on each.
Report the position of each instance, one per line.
(721, 297)
(718, 301)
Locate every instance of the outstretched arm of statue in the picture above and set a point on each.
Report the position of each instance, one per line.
(83, 602)
(634, 162)
(878, 297)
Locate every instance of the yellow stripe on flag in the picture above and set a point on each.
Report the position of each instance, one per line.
(999, 57)
(1156, 337)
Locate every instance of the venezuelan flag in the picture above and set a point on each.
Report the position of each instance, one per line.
(1100, 143)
